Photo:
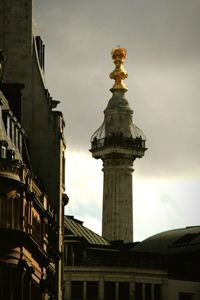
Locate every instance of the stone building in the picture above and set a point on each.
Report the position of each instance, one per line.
(112, 266)
(32, 163)
(162, 267)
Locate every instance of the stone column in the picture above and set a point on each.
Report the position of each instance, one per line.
(117, 200)
(117, 290)
(84, 290)
(101, 290)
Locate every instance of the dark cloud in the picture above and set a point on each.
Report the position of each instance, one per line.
(163, 62)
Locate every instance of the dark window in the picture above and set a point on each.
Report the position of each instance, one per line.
(10, 212)
(109, 290)
(40, 51)
(124, 290)
(185, 296)
(157, 292)
(10, 283)
(92, 290)
(4, 283)
(148, 291)
(25, 216)
(187, 238)
(27, 286)
(11, 154)
(3, 152)
(5, 212)
(20, 142)
(138, 291)
(17, 212)
(8, 125)
(76, 290)
(69, 256)
(12, 131)
(16, 136)
(35, 291)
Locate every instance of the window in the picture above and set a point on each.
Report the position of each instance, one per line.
(157, 291)
(3, 149)
(148, 291)
(20, 142)
(35, 291)
(16, 136)
(187, 238)
(6, 212)
(185, 296)
(40, 51)
(92, 290)
(3, 152)
(17, 212)
(10, 154)
(138, 291)
(76, 290)
(8, 125)
(25, 216)
(123, 291)
(10, 213)
(2, 204)
(109, 290)
(12, 131)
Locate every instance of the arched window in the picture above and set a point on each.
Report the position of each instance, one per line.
(3, 211)
(10, 211)
(16, 212)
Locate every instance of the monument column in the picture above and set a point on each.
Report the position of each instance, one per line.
(118, 142)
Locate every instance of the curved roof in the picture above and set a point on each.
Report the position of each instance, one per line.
(75, 228)
(180, 240)
(118, 101)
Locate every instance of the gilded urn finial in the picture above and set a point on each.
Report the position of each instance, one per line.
(118, 74)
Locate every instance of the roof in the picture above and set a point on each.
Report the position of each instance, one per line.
(118, 101)
(75, 228)
(182, 240)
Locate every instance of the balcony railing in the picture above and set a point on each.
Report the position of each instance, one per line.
(120, 141)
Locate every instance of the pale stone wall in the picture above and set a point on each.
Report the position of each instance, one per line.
(117, 121)
(111, 274)
(180, 286)
(170, 288)
(117, 200)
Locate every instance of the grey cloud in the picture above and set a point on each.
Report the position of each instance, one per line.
(163, 62)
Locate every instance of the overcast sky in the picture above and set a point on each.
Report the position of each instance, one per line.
(163, 63)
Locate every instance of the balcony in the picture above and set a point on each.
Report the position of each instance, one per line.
(118, 140)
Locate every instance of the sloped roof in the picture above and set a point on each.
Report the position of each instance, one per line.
(75, 228)
(180, 240)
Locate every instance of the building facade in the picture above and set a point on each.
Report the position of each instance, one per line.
(32, 145)
(162, 267)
